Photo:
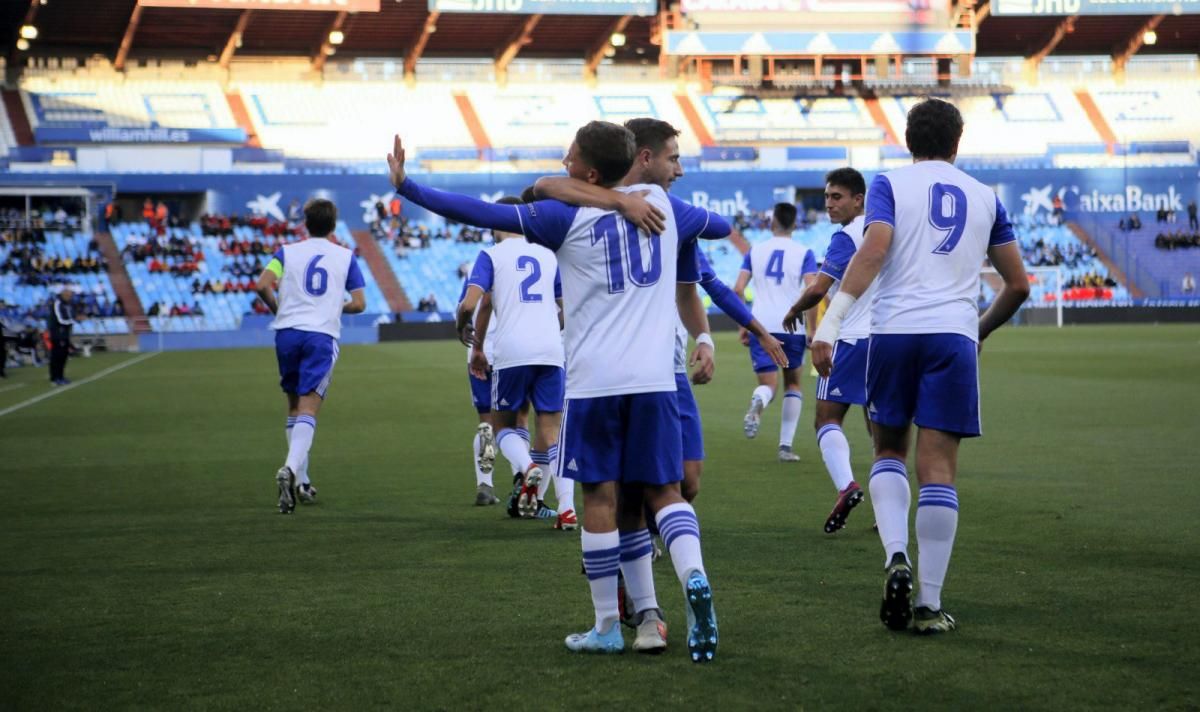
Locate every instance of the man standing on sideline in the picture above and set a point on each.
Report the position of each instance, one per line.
(928, 228)
(60, 321)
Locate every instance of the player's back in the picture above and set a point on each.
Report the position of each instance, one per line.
(944, 221)
(313, 286)
(777, 266)
(525, 287)
(618, 295)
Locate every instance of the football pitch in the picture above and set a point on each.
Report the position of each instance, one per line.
(143, 564)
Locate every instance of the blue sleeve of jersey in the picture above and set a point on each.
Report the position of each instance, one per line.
(462, 293)
(354, 277)
(841, 251)
(546, 222)
(707, 273)
(746, 263)
(1002, 230)
(725, 299)
(557, 284)
(279, 253)
(482, 274)
(462, 208)
(881, 204)
(693, 222)
(810, 264)
(687, 265)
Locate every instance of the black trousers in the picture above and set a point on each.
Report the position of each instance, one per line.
(3, 352)
(59, 350)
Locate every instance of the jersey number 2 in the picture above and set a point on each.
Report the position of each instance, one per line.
(525, 262)
(775, 266)
(608, 230)
(947, 214)
(316, 280)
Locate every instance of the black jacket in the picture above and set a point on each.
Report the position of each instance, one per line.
(62, 318)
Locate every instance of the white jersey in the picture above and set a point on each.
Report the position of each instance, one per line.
(618, 292)
(523, 281)
(317, 276)
(944, 221)
(843, 245)
(778, 266)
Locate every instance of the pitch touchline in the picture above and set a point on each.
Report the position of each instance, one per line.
(63, 389)
(13, 387)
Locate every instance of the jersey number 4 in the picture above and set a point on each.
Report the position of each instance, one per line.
(316, 279)
(623, 253)
(947, 214)
(530, 264)
(775, 266)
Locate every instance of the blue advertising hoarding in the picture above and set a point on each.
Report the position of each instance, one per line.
(111, 134)
(1052, 8)
(641, 8)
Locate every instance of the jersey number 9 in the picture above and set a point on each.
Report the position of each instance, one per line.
(948, 214)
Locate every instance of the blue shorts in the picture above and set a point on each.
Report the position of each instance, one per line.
(481, 392)
(793, 347)
(929, 379)
(624, 438)
(847, 382)
(306, 360)
(541, 385)
(689, 419)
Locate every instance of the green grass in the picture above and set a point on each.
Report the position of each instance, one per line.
(142, 564)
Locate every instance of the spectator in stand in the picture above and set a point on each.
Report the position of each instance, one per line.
(1193, 223)
(148, 210)
(1058, 209)
(428, 304)
(1160, 215)
(1135, 222)
(1189, 284)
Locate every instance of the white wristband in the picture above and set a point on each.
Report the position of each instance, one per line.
(831, 323)
(706, 338)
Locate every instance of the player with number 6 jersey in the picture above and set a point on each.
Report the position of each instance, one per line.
(314, 277)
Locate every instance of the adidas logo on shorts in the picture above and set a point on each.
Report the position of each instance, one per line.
(836, 392)
(504, 401)
(572, 466)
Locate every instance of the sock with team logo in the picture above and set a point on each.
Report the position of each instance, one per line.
(301, 441)
(793, 402)
(481, 477)
(835, 450)
(541, 458)
(636, 550)
(601, 561)
(765, 394)
(515, 449)
(937, 522)
(890, 497)
(681, 535)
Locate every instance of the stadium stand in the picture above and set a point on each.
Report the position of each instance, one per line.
(69, 102)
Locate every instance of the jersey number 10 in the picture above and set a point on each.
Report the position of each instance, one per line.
(947, 214)
(615, 231)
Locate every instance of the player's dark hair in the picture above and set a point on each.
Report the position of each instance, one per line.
(510, 200)
(934, 128)
(785, 215)
(651, 133)
(847, 178)
(608, 148)
(528, 195)
(320, 217)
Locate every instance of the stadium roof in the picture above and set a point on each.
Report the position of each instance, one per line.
(85, 27)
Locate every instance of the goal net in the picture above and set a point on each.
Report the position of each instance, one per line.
(1044, 306)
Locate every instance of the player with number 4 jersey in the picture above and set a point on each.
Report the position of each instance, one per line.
(781, 268)
(314, 277)
(928, 228)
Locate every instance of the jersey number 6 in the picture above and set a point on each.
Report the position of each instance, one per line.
(316, 280)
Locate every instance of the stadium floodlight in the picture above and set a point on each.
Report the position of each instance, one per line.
(336, 37)
(1149, 37)
(618, 39)
(29, 32)
(22, 44)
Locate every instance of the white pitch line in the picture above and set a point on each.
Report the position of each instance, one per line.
(63, 389)
(13, 387)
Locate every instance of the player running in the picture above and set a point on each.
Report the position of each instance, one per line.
(620, 434)
(847, 383)
(313, 277)
(781, 269)
(525, 290)
(929, 226)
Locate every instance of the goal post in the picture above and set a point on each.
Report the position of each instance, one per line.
(1045, 303)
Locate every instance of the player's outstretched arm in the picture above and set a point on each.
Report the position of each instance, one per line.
(460, 208)
(863, 270)
(1006, 259)
(357, 303)
(813, 293)
(633, 206)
